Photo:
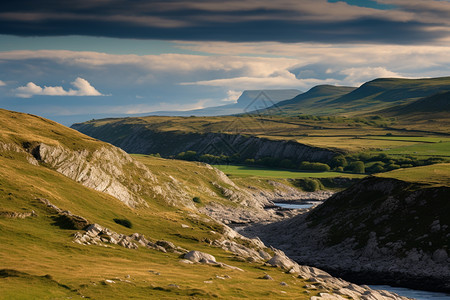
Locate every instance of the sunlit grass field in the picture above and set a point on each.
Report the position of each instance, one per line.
(254, 171)
(38, 259)
(438, 174)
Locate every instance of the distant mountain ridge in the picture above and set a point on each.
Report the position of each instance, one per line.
(372, 96)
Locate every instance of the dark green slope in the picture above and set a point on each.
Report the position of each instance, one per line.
(436, 103)
(386, 92)
(372, 96)
(315, 97)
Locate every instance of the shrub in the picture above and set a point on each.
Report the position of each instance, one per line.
(376, 168)
(338, 161)
(392, 167)
(357, 167)
(308, 184)
(250, 161)
(314, 166)
(197, 200)
(123, 222)
(188, 155)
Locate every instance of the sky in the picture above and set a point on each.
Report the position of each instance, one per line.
(75, 60)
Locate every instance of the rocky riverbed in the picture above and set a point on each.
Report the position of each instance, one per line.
(377, 243)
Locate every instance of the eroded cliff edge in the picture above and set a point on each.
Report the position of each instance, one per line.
(143, 139)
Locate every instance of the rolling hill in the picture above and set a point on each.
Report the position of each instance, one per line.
(80, 218)
(378, 94)
(307, 102)
(437, 103)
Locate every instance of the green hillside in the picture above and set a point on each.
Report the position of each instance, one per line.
(439, 102)
(378, 94)
(40, 260)
(310, 101)
(385, 92)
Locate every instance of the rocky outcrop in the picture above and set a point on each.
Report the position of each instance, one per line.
(106, 169)
(205, 258)
(382, 231)
(140, 138)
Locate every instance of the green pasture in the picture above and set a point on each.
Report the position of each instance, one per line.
(246, 171)
(424, 150)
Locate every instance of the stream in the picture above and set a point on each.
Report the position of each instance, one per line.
(415, 294)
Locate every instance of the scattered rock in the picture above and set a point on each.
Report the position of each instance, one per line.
(267, 277)
(169, 246)
(326, 296)
(17, 215)
(200, 257)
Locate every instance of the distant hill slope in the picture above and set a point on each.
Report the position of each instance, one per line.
(248, 101)
(317, 96)
(425, 113)
(378, 94)
(385, 92)
(439, 102)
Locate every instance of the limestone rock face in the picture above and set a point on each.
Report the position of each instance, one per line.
(140, 139)
(103, 169)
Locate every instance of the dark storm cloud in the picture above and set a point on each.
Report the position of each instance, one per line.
(284, 21)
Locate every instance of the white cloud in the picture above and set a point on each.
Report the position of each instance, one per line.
(232, 96)
(357, 76)
(2, 83)
(172, 78)
(83, 88)
(282, 80)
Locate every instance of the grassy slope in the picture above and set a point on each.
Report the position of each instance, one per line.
(366, 207)
(19, 128)
(385, 92)
(435, 175)
(36, 246)
(309, 102)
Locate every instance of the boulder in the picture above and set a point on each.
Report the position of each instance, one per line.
(200, 257)
(169, 246)
(440, 256)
